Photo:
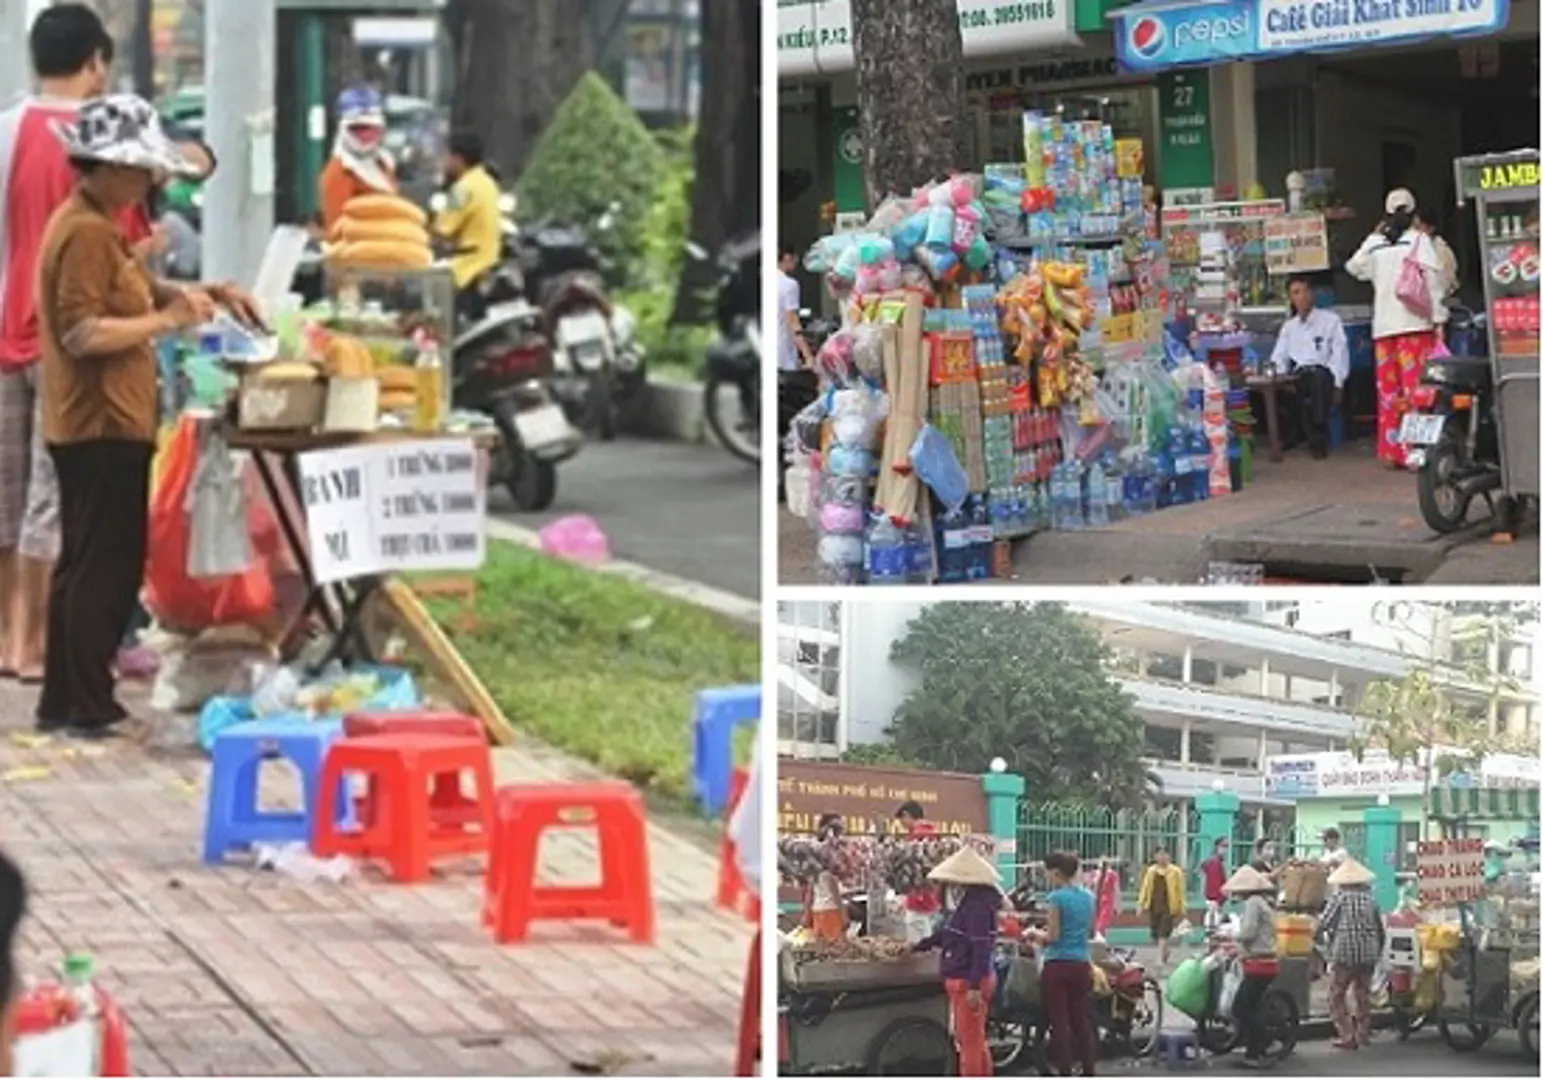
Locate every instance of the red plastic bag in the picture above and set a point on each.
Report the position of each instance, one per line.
(171, 595)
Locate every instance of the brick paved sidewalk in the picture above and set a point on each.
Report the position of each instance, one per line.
(236, 972)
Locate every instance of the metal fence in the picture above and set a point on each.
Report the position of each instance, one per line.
(1130, 838)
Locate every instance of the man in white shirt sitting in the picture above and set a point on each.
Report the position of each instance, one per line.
(1311, 344)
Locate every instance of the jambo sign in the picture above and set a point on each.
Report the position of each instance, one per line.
(1450, 871)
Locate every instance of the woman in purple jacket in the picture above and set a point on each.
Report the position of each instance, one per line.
(972, 895)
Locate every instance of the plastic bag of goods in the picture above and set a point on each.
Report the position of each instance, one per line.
(1232, 981)
(1188, 988)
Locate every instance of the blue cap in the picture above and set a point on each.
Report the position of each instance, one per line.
(359, 101)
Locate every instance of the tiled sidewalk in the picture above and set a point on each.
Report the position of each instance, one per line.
(236, 972)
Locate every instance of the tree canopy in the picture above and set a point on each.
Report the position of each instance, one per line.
(594, 152)
(1025, 682)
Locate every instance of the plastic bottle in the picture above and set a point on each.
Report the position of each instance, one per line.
(919, 550)
(1114, 490)
(981, 538)
(1097, 501)
(952, 536)
(887, 556)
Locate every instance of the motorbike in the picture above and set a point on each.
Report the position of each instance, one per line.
(1278, 1014)
(797, 388)
(598, 363)
(1409, 991)
(1452, 437)
(732, 380)
(501, 366)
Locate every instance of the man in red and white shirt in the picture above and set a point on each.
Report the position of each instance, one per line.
(71, 53)
(922, 905)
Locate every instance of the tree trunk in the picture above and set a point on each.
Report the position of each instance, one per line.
(910, 93)
(519, 59)
(726, 190)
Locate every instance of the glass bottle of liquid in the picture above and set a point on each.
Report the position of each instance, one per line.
(430, 372)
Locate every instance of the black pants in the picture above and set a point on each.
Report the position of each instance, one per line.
(104, 493)
(1245, 1011)
(1315, 390)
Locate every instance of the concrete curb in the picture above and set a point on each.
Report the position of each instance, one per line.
(667, 409)
(739, 610)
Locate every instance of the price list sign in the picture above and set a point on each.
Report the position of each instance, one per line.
(394, 507)
(1450, 871)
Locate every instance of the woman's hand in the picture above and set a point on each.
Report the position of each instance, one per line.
(240, 303)
(153, 245)
(190, 307)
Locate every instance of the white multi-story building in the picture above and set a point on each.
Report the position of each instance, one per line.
(1220, 686)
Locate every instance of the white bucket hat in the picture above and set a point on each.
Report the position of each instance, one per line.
(1248, 880)
(966, 867)
(122, 129)
(1398, 199)
(1351, 872)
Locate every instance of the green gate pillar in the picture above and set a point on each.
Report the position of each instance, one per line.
(1003, 792)
(1382, 852)
(310, 138)
(1218, 812)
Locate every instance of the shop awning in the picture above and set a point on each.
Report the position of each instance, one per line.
(1499, 804)
(1158, 35)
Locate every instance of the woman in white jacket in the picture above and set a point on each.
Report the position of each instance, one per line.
(1405, 336)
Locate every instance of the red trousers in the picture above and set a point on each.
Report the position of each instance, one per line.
(970, 1024)
(1066, 987)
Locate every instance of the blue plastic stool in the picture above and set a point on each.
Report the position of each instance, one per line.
(1178, 1050)
(718, 713)
(233, 819)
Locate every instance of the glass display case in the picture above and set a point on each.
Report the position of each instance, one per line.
(1217, 255)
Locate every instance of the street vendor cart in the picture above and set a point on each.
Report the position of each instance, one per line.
(1504, 191)
(1488, 982)
(882, 1017)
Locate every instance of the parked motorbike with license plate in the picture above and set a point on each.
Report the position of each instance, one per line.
(598, 363)
(501, 366)
(1451, 438)
(731, 384)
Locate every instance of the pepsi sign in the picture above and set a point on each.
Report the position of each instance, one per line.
(1167, 37)
(1165, 34)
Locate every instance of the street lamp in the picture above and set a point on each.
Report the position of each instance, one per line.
(998, 765)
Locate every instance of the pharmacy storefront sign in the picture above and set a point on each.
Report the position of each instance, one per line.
(814, 37)
(1158, 35)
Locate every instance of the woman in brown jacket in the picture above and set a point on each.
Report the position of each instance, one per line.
(99, 314)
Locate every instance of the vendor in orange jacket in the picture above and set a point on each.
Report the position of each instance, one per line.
(360, 163)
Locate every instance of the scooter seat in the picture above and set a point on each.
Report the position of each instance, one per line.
(1469, 372)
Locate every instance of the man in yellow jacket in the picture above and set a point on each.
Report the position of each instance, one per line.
(471, 217)
(1162, 898)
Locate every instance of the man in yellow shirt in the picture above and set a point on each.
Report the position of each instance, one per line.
(1162, 898)
(470, 219)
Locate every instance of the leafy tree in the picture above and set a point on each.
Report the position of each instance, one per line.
(594, 152)
(1025, 682)
(1417, 719)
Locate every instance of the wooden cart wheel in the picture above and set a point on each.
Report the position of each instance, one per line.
(914, 1046)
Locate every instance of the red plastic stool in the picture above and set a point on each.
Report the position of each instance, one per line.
(625, 896)
(403, 832)
(449, 805)
(733, 893)
(750, 1015)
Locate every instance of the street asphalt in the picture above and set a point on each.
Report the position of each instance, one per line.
(688, 510)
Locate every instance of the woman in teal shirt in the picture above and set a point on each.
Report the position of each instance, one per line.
(1066, 983)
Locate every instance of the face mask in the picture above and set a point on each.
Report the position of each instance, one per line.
(953, 895)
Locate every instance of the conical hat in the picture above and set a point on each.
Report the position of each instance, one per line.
(966, 867)
(1248, 880)
(1351, 872)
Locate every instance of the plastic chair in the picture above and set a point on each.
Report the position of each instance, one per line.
(232, 819)
(718, 713)
(733, 893)
(625, 897)
(750, 1015)
(448, 806)
(401, 831)
(1178, 1050)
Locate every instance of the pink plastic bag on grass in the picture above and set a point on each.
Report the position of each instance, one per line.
(577, 538)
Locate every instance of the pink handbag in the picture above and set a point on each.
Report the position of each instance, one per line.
(1412, 289)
